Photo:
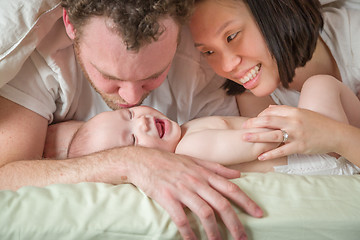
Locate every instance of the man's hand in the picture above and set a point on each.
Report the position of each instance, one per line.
(175, 181)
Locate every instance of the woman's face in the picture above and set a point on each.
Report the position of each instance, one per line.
(228, 36)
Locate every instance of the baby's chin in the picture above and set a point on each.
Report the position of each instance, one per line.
(167, 146)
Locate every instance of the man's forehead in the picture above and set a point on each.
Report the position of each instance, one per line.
(134, 78)
(111, 57)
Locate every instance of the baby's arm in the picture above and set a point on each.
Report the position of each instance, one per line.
(225, 146)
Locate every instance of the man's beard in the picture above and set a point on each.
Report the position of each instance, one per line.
(113, 102)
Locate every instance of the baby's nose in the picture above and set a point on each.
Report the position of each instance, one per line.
(144, 123)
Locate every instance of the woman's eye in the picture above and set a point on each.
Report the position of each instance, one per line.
(231, 37)
(208, 53)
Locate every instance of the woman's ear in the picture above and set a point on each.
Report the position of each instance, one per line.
(69, 27)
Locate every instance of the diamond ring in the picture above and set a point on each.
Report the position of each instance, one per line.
(285, 136)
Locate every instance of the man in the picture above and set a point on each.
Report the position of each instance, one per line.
(104, 55)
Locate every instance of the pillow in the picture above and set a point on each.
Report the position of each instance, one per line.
(23, 24)
(296, 207)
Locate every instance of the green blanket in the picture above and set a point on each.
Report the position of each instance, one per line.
(296, 207)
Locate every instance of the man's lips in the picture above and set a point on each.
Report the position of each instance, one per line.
(160, 126)
(126, 105)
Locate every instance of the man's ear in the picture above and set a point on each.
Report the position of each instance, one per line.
(69, 27)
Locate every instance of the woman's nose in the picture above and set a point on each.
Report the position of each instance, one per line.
(229, 61)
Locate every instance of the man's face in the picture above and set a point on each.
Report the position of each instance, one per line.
(122, 77)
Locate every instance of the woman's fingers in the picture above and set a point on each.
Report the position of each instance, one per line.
(282, 151)
(307, 132)
(278, 110)
(272, 122)
(271, 136)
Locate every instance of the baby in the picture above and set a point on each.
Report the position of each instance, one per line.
(213, 138)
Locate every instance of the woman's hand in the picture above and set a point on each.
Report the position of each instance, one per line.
(308, 132)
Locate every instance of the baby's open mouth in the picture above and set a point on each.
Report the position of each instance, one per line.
(160, 125)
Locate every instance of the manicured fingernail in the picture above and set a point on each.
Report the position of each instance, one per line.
(262, 157)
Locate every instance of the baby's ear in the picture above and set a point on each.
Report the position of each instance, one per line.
(69, 27)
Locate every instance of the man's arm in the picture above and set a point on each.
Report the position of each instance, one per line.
(22, 133)
(22, 140)
(174, 181)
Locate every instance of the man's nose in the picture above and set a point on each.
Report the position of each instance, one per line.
(131, 92)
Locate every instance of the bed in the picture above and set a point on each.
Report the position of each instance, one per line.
(296, 207)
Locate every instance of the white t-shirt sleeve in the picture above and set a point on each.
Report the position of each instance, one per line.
(35, 91)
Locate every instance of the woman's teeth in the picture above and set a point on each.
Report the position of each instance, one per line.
(251, 74)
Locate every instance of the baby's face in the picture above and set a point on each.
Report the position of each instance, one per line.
(142, 126)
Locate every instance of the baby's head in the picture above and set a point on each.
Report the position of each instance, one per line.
(137, 126)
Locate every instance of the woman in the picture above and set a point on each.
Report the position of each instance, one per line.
(272, 48)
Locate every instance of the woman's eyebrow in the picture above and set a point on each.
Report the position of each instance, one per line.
(218, 31)
(222, 27)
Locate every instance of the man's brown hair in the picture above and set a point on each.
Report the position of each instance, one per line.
(136, 21)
